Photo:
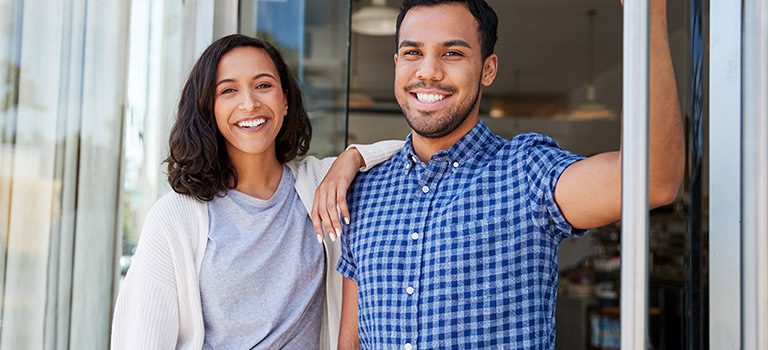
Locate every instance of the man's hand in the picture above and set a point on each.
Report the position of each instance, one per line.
(332, 194)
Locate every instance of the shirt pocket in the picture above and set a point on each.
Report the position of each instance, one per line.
(479, 228)
(470, 258)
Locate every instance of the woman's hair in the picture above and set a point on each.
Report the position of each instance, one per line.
(198, 163)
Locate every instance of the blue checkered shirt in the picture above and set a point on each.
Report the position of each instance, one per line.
(461, 252)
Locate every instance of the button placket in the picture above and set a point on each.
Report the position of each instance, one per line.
(429, 176)
(413, 248)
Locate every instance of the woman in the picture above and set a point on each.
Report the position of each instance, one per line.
(226, 260)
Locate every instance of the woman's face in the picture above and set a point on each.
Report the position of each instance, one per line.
(249, 103)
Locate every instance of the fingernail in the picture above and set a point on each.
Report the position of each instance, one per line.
(346, 219)
(333, 237)
(338, 232)
(319, 239)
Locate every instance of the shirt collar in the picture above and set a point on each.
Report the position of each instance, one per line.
(471, 143)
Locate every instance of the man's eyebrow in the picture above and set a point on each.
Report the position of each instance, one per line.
(410, 43)
(449, 43)
(462, 43)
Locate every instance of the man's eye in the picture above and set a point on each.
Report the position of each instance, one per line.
(411, 52)
(453, 53)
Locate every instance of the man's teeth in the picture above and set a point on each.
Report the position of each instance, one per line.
(251, 123)
(429, 98)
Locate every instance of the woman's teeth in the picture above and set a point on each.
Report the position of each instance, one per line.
(429, 98)
(251, 123)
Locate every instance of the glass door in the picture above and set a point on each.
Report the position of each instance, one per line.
(312, 35)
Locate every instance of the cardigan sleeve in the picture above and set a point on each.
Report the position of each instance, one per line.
(146, 313)
(377, 153)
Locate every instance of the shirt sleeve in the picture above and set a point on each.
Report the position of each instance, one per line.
(347, 266)
(545, 161)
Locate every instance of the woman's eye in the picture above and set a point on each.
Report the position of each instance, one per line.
(264, 86)
(227, 90)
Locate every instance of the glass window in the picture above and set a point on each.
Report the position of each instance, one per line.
(312, 37)
(61, 106)
(154, 83)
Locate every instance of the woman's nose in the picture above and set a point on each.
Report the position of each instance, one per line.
(249, 103)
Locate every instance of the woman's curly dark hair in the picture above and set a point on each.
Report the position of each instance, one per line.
(198, 164)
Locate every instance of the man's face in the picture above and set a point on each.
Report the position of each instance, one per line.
(439, 68)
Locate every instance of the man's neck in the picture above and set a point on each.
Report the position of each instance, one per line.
(425, 147)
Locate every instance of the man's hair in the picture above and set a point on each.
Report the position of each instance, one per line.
(485, 16)
(198, 163)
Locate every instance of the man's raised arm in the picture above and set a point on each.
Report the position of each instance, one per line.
(589, 191)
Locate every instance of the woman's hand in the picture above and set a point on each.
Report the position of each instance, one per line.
(332, 192)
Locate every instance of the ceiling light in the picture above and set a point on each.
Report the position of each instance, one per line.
(376, 19)
(590, 108)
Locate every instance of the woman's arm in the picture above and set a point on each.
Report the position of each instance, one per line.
(332, 191)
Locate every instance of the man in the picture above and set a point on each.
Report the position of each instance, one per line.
(453, 242)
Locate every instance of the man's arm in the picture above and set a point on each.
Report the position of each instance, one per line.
(589, 191)
(348, 336)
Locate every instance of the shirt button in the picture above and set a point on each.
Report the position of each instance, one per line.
(425, 189)
(455, 164)
(409, 290)
(408, 165)
(415, 236)
(408, 346)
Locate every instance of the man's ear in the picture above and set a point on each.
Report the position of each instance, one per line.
(395, 58)
(490, 68)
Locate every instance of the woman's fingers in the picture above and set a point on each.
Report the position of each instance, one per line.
(341, 200)
(333, 214)
(317, 221)
(324, 214)
(325, 217)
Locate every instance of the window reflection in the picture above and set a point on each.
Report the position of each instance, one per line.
(311, 35)
(153, 86)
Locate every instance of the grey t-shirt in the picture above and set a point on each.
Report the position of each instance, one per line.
(263, 273)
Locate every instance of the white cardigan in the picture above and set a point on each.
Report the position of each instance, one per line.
(158, 306)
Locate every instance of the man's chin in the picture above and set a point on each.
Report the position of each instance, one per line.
(431, 131)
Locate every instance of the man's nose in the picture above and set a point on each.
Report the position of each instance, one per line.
(430, 69)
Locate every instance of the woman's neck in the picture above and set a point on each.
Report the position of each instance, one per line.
(257, 176)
